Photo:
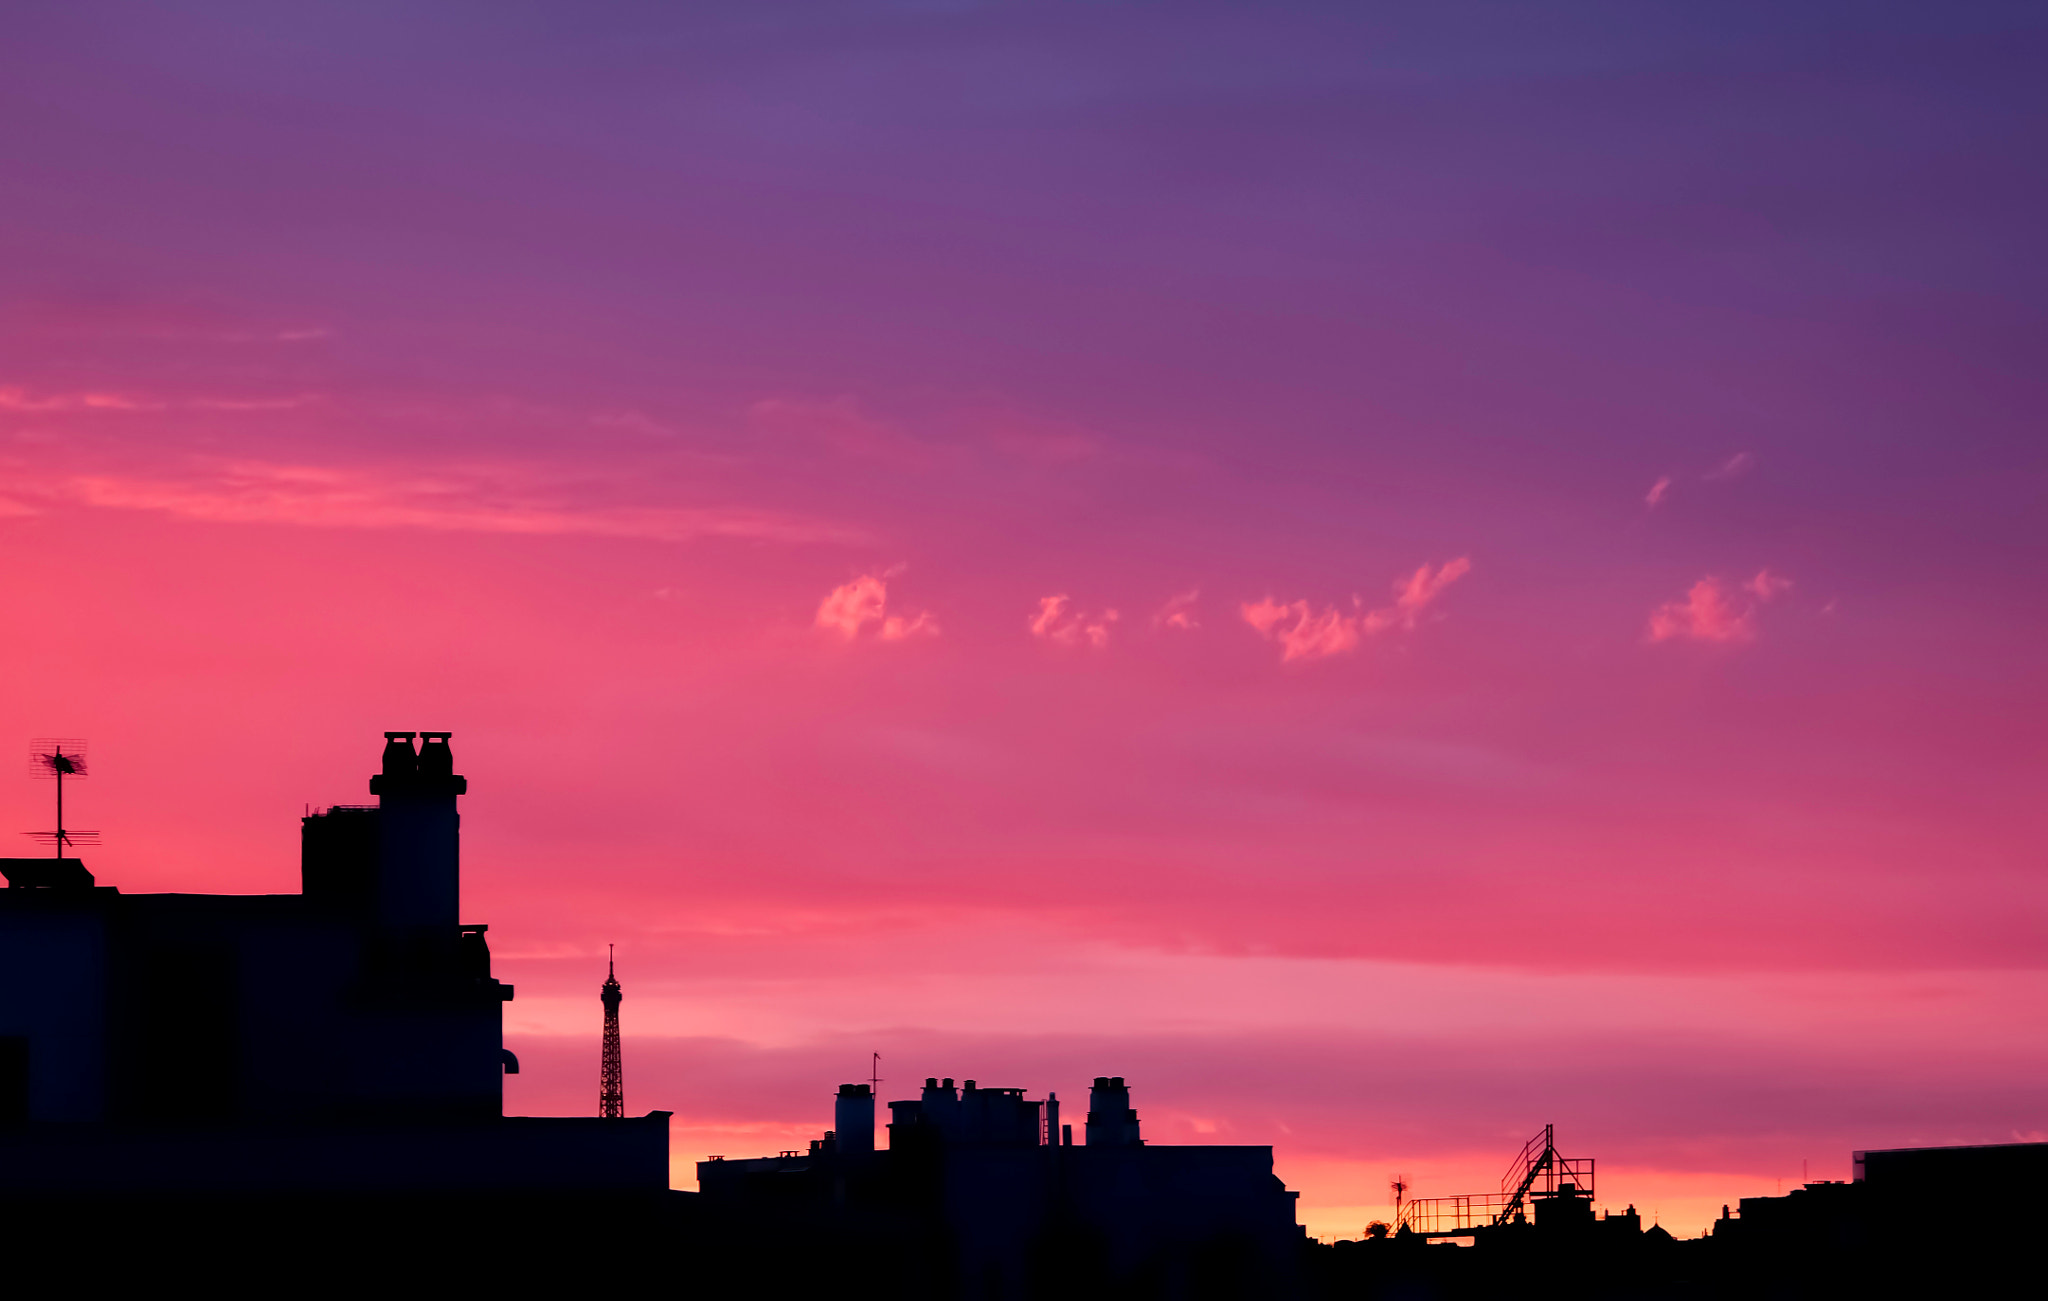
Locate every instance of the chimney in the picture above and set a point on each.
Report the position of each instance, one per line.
(1111, 1122)
(419, 837)
(942, 1108)
(853, 1119)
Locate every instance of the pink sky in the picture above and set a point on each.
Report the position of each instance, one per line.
(1390, 581)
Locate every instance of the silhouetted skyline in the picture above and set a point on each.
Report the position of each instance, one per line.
(1417, 571)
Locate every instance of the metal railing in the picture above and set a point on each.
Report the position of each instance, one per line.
(1439, 1216)
(1539, 1171)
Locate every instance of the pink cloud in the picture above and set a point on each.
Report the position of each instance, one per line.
(1049, 610)
(1767, 586)
(1708, 613)
(1734, 467)
(1315, 635)
(897, 628)
(1416, 592)
(852, 606)
(1178, 613)
(1307, 634)
(1265, 613)
(1657, 491)
(1714, 610)
(1053, 623)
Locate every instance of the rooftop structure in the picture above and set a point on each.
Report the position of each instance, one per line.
(995, 1180)
(1539, 1183)
(347, 1036)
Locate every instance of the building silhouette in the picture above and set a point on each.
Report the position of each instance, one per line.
(306, 1092)
(1005, 1204)
(347, 1037)
(1932, 1222)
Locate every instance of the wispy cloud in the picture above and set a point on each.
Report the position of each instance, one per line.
(1716, 611)
(14, 398)
(19, 399)
(1301, 632)
(1733, 468)
(1305, 633)
(1657, 491)
(841, 425)
(1767, 586)
(1055, 623)
(849, 608)
(1179, 613)
(898, 628)
(1038, 440)
(1415, 594)
(473, 499)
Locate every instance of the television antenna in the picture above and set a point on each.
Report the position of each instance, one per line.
(875, 1074)
(1399, 1185)
(53, 758)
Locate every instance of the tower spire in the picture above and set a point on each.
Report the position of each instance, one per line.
(611, 1088)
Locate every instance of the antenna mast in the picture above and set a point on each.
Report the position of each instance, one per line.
(611, 1086)
(55, 758)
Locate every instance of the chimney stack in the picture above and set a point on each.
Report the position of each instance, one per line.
(1111, 1122)
(853, 1119)
(419, 834)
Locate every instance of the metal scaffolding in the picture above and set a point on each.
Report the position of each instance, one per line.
(1539, 1172)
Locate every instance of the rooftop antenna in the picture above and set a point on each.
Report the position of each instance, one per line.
(1400, 1187)
(53, 758)
(875, 1074)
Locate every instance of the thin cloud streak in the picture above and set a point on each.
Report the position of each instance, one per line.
(14, 398)
(462, 499)
(1733, 468)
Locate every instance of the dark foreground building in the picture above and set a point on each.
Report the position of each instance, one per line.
(304, 1094)
(303, 1062)
(1002, 1203)
(1889, 1232)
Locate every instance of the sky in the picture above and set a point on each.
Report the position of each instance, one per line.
(1393, 575)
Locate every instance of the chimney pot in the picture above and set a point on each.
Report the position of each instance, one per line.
(399, 759)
